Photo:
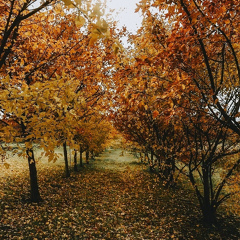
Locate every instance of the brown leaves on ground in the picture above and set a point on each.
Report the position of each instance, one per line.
(101, 204)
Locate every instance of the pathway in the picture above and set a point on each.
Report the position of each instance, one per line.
(116, 159)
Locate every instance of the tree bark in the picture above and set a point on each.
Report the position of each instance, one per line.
(92, 155)
(67, 173)
(34, 191)
(208, 208)
(81, 156)
(75, 161)
(209, 214)
(207, 202)
(87, 156)
(151, 165)
(169, 171)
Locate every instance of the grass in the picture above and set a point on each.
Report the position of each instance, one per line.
(102, 202)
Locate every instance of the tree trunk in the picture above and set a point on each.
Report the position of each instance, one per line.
(92, 155)
(151, 164)
(75, 161)
(166, 169)
(67, 173)
(208, 208)
(81, 156)
(209, 214)
(169, 171)
(141, 157)
(146, 157)
(207, 204)
(34, 191)
(87, 156)
(152, 155)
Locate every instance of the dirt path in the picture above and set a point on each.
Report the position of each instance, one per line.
(116, 159)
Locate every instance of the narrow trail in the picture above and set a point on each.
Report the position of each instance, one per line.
(116, 159)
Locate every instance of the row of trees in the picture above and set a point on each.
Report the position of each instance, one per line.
(176, 93)
(178, 96)
(50, 93)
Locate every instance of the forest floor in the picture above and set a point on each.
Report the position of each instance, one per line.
(113, 197)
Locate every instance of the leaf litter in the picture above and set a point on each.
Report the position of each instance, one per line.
(111, 198)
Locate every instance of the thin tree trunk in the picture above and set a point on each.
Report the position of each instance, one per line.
(67, 173)
(151, 165)
(146, 157)
(87, 156)
(81, 156)
(34, 191)
(208, 209)
(75, 161)
(168, 171)
(141, 157)
(92, 155)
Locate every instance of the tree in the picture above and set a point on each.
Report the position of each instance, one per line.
(187, 52)
(13, 14)
(202, 45)
(29, 67)
(143, 112)
(210, 155)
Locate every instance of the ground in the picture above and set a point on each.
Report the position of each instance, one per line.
(114, 197)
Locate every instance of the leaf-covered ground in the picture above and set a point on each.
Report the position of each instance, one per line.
(112, 198)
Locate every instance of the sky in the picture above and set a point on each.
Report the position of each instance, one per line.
(126, 15)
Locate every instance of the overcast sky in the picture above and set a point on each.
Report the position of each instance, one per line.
(126, 15)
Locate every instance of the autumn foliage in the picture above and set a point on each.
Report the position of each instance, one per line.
(177, 94)
(49, 85)
(66, 81)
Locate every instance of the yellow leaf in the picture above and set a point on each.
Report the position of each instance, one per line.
(96, 30)
(30, 154)
(67, 2)
(115, 48)
(6, 165)
(96, 11)
(79, 2)
(101, 26)
(6, 79)
(80, 21)
(94, 38)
